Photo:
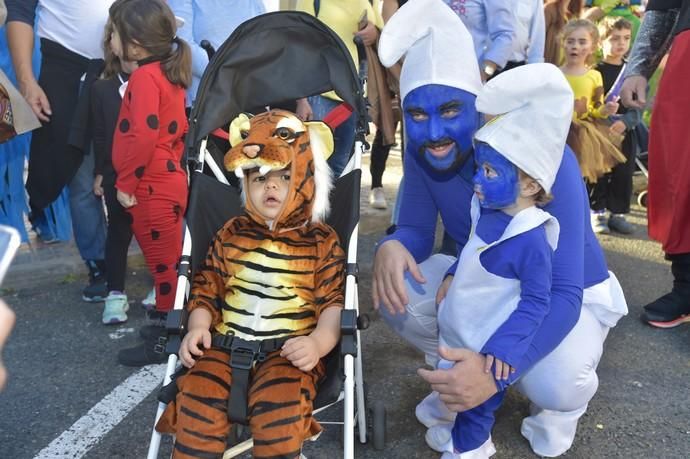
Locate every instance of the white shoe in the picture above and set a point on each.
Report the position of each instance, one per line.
(439, 437)
(150, 301)
(483, 452)
(377, 198)
(115, 309)
(432, 411)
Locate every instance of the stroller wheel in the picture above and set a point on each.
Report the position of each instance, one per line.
(378, 425)
(642, 199)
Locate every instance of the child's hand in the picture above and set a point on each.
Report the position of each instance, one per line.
(611, 107)
(301, 352)
(618, 127)
(190, 345)
(503, 370)
(98, 185)
(126, 200)
(443, 289)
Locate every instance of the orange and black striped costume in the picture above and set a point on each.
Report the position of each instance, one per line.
(263, 280)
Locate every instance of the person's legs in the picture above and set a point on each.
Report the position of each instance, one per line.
(89, 227)
(621, 188)
(472, 428)
(561, 385)
(418, 324)
(379, 156)
(673, 308)
(280, 407)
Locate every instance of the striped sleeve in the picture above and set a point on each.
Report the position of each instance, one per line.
(330, 273)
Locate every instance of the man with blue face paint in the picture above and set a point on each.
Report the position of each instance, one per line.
(555, 369)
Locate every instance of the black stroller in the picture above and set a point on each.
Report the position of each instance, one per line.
(270, 61)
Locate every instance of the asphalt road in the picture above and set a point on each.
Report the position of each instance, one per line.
(62, 363)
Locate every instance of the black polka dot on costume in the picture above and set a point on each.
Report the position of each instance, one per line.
(171, 166)
(139, 172)
(172, 127)
(150, 190)
(124, 125)
(152, 121)
(155, 234)
(165, 288)
(161, 268)
(177, 210)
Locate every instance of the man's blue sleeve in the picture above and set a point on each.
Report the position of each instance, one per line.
(416, 224)
(21, 10)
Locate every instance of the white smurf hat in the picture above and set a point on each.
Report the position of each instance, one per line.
(534, 104)
(436, 45)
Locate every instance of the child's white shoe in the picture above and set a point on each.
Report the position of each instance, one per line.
(115, 309)
(439, 437)
(150, 301)
(483, 452)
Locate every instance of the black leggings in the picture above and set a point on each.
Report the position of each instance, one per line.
(379, 156)
(117, 241)
(614, 190)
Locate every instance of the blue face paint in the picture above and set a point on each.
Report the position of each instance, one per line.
(496, 181)
(439, 124)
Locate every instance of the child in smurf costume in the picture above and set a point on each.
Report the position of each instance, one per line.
(505, 268)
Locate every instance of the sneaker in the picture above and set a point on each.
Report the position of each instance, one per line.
(377, 198)
(141, 355)
(149, 302)
(115, 310)
(668, 311)
(97, 290)
(432, 411)
(439, 437)
(600, 223)
(619, 224)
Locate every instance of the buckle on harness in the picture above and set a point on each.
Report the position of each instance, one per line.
(243, 353)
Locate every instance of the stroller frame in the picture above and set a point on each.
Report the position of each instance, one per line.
(352, 392)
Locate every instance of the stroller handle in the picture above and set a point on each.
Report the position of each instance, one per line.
(208, 47)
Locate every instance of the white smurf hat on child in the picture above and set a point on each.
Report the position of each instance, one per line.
(436, 45)
(534, 104)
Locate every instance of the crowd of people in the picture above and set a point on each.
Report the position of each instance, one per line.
(520, 202)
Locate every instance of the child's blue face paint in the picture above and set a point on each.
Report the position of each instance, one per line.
(496, 181)
(439, 124)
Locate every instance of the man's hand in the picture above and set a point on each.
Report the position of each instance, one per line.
(98, 185)
(126, 200)
(303, 110)
(190, 345)
(464, 386)
(443, 288)
(388, 284)
(634, 92)
(36, 98)
(301, 352)
(368, 34)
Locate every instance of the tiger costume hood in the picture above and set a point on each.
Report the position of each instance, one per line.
(278, 139)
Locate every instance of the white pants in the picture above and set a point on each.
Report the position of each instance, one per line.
(559, 386)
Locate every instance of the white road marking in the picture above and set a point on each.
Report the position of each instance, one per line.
(120, 333)
(76, 441)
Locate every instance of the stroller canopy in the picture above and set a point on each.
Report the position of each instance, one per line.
(272, 60)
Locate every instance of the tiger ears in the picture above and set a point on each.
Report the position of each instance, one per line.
(238, 126)
(320, 138)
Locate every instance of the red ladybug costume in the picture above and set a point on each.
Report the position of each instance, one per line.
(147, 154)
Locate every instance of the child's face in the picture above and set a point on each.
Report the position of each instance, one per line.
(267, 193)
(578, 46)
(496, 182)
(617, 44)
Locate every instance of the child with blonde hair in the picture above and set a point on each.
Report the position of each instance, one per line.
(596, 148)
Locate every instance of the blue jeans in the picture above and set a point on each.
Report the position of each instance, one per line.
(343, 136)
(88, 219)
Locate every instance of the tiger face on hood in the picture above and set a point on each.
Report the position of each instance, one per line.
(277, 140)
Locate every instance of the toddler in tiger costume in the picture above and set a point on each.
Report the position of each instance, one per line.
(274, 273)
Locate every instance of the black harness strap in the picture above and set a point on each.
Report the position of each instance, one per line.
(243, 355)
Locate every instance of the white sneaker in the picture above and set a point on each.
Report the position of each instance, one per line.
(483, 452)
(439, 437)
(150, 301)
(599, 223)
(377, 198)
(115, 309)
(432, 411)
